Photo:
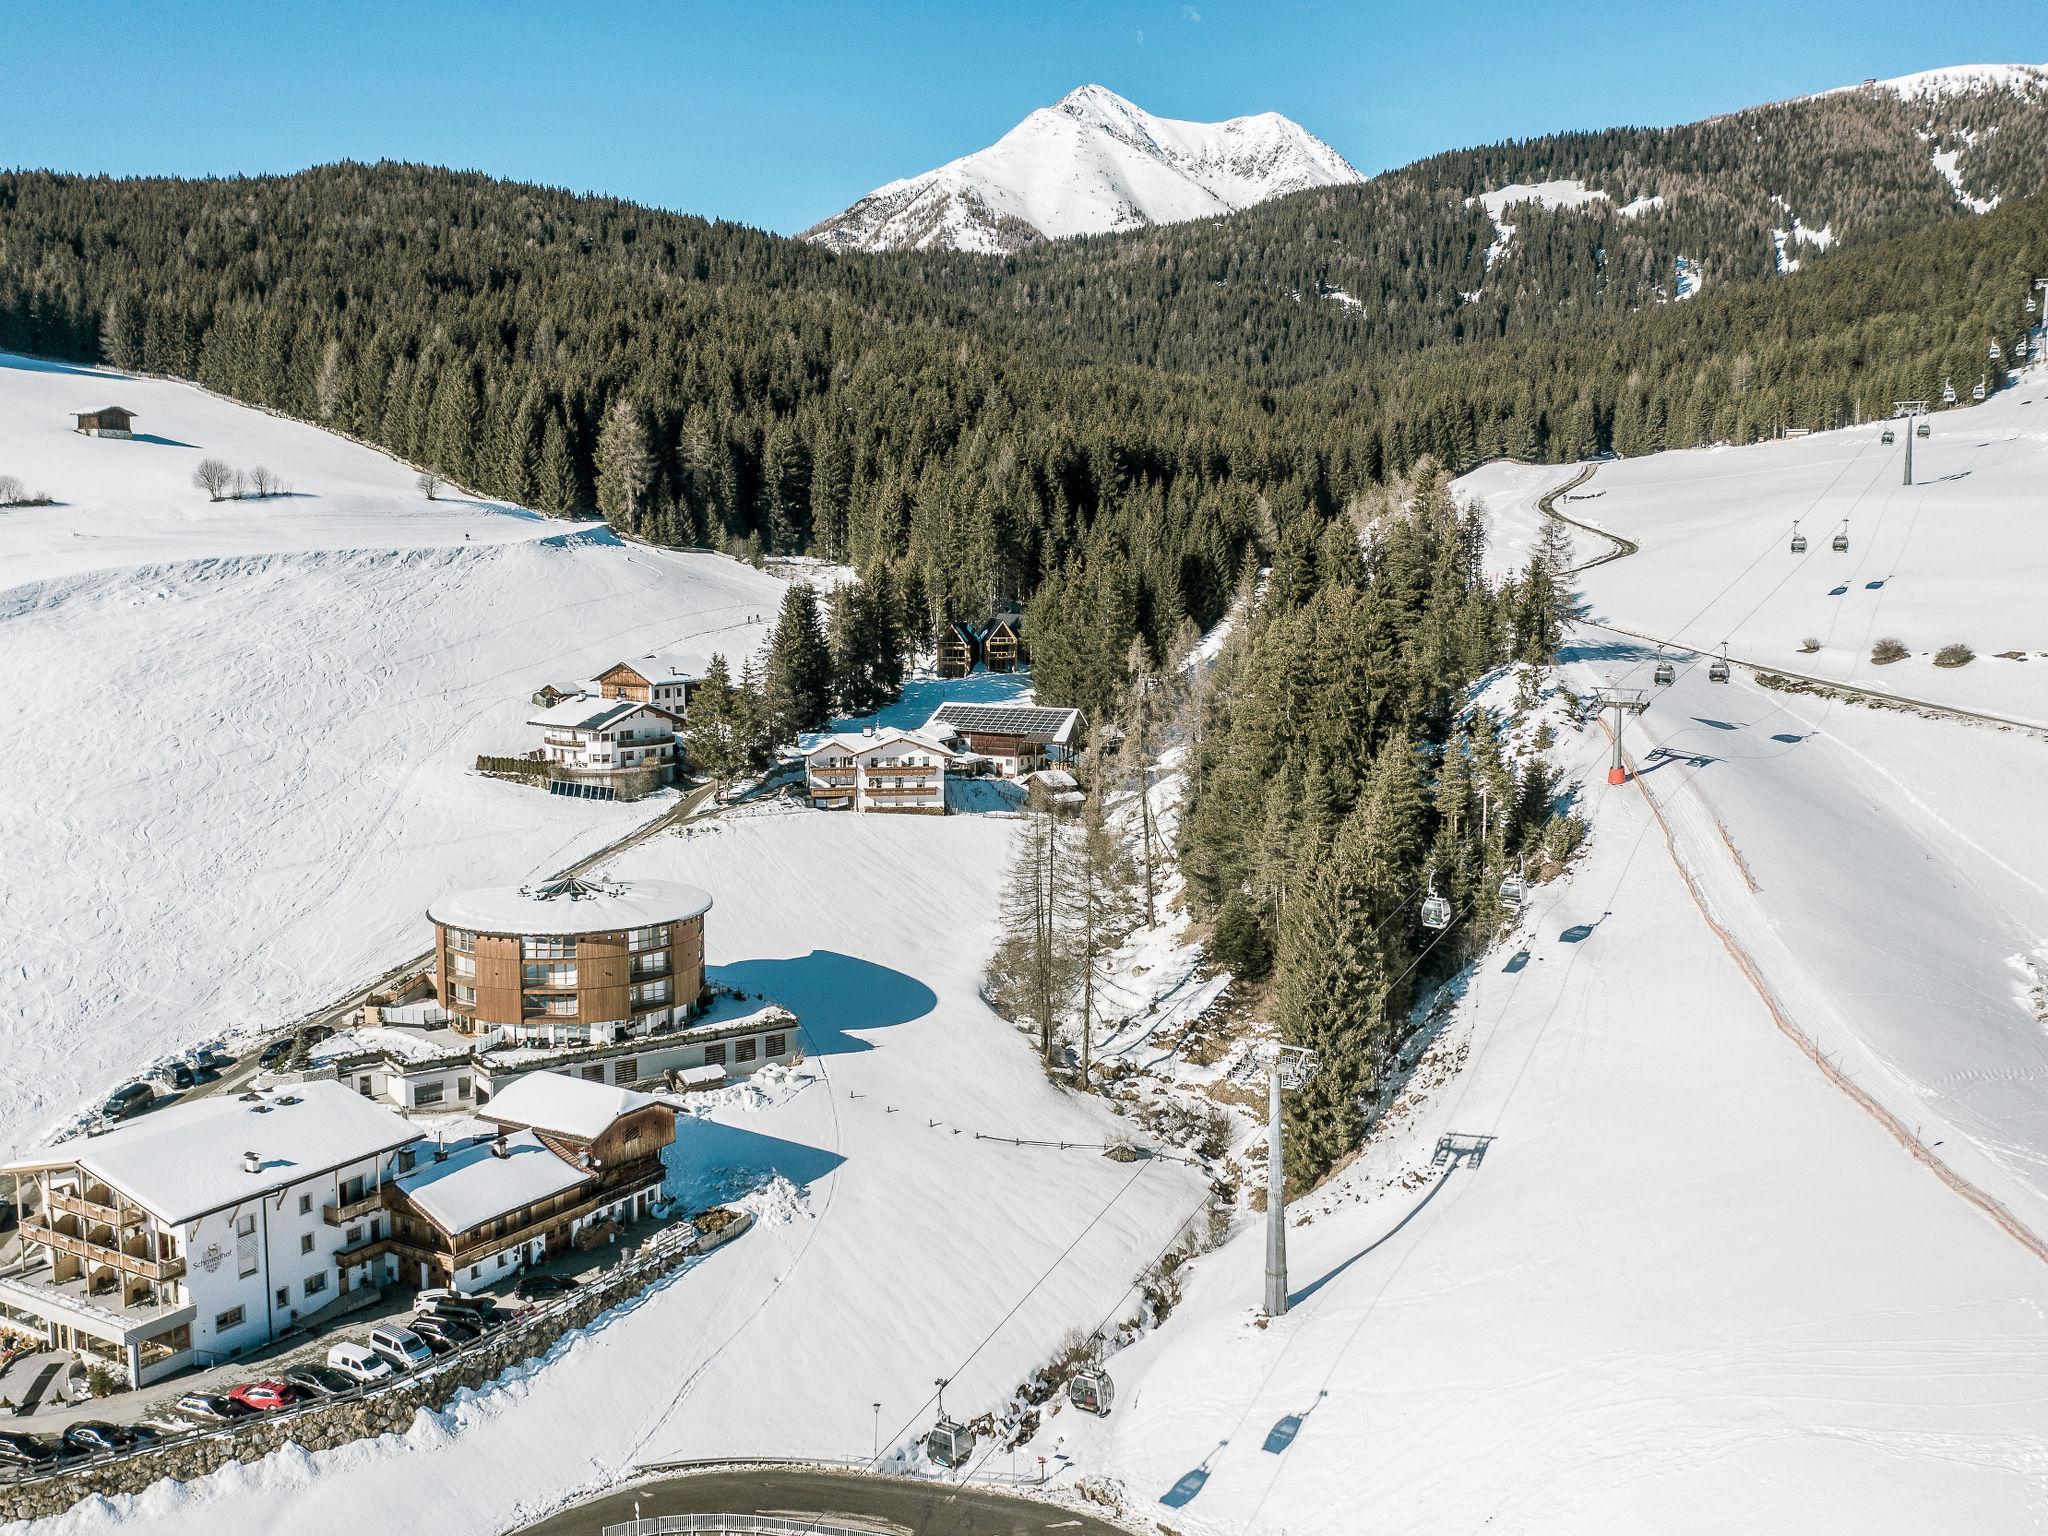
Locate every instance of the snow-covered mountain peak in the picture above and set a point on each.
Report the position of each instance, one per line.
(1962, 80)
(1089, 163)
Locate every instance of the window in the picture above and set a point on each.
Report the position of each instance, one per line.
(462, 939)
(465, 995)
(475, 1271)
(232, 1318)
(504, 1260)
(550, 1003)
(315, 1284)
(650, 992)
(428, 1093)
(245, 1246)
(650, 963)
(364, 1085)
(284, 1296)
(462, 965)
(714, 1055)
(305, 1205)
(744, 1051)
(462, 1087)
(352, 1236)
(548, 947)
(640, 940)
(776, 1045)
(545, 975)
(305, 1242)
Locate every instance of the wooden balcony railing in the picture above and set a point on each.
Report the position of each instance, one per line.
(99, 1253)
(341, 1214)
(94, 1210)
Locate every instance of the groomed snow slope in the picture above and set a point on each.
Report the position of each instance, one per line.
(890, 1250)
(1693, 1287)
(1959, 555)
(1090, 163)
(256, 723)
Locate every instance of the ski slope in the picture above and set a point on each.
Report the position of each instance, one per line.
(1694, 1286)
(256, 722)
(1957, 556)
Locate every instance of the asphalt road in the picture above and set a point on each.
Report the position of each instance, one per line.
(901, 1506)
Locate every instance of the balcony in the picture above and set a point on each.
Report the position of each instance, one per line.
(99, 1253)
(353, 1210)
(832, 775)
(903, 791)
(576, 742)
(93, 1210)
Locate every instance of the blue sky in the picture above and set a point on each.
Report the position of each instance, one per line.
(778, 114)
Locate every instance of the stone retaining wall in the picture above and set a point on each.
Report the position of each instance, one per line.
(388, 1410)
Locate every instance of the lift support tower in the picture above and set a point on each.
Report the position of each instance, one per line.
(1287, 1067)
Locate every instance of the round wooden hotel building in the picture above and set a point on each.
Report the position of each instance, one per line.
(570, 962)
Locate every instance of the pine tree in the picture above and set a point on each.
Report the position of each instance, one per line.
(556, 488)
(715, 731)
(798, 682)
(625, 466)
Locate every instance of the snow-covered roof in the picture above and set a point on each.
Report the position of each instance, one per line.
(663, 666)
(187, 1159)
(473, 1185)
(568, 1106)
(932, 739)
(1032, 722)
(580, 714)
(570, 906)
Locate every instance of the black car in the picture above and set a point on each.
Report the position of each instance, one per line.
(90, 1437)
(275, 1052)
(25, 1450)
(128, 1099)
(465, 1312)
(536, 1287)
(179, 1075)
(320, 1380)
(442, 1334)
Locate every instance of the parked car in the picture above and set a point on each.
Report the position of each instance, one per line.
(179, 1076)
(89, 1437)
(360, 1363)
(212, 1407)
(211, 1058)
(275, 1052)
(433, 1296)
(320, 1380)
(128, 1099)
(540, 1287)
(265, 1396)
(442, 1334)
(462, 1310)
(401, 1346)
(18, 1450)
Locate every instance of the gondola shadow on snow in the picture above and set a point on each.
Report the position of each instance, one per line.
(1284, 1429)
(1191, 1482)
(832, 994)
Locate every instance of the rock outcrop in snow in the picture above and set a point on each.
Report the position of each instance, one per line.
(1091, 163)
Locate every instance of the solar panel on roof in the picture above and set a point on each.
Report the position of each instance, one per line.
(1006, 719)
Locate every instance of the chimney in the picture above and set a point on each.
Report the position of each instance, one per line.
(251, 1163)
(498, 1147)
(440, 1148)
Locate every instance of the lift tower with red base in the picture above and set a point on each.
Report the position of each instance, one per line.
(1624, 702)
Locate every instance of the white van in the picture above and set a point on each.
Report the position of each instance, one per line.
(401, 1346)
(359, 1362)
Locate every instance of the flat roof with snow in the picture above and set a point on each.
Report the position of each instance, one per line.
(185, 1160)
(570, 906)
(473, 1184)
(568, 1106)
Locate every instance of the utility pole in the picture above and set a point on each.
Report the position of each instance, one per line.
(1287, 1066)
(1624, 702)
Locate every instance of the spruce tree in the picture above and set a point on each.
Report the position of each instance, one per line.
(798, 684)
(625, 466)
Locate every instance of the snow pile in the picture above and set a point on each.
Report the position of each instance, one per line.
(1091, 163)
(296, 693)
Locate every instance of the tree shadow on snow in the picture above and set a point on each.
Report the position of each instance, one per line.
(832, 994)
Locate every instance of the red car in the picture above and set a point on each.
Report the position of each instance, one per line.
(265, 1396)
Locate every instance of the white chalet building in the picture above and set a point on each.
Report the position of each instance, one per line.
(885, 770)
(203, 1229)
(607, 736)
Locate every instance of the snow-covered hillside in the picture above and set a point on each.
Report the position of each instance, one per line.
(1090, 163)
(1960, 80)
(256, 722)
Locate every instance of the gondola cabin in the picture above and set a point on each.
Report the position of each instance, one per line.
(1513, 892)
(1890, 437)
(1798, 543)
(1666, 674)
(1842, 542)
(1436, 911)
(111, 421)
(949, 1444)
(1092, 1391)
(1717, 670)
(1921, 430)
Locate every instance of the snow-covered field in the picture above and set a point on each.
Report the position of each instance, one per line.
(1957, 556)
(249, 728)
(1693, 1287)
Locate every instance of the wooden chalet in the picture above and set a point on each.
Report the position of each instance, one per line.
(959, 650)
(109, 421)
(659, 678)
(1002, 645)
(1017, 738)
